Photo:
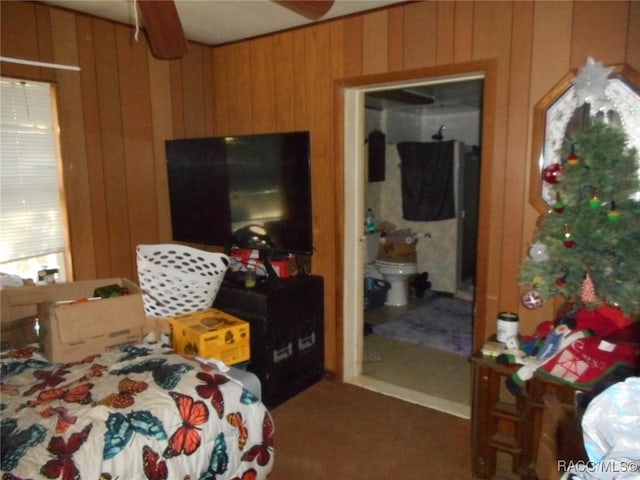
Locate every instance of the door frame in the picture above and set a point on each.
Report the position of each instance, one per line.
(349, 109)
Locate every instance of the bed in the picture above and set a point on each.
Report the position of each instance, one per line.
(141, 412)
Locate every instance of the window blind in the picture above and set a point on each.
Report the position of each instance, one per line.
(29, 187)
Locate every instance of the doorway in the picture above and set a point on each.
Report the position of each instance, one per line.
(355, 98)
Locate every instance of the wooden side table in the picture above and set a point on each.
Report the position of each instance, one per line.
(502, 423)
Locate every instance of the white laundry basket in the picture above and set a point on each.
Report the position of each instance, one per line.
(176, 279)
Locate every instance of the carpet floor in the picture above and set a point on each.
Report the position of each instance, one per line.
(340, 431)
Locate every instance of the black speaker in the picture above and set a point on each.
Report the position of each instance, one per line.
(286, 316)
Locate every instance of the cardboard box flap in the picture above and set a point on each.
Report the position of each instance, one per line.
(34, 294)
(27, 295)
(98, 318)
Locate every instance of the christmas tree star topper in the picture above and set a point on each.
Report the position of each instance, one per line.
(590, 84)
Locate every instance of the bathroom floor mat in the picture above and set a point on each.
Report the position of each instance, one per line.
(442, 322)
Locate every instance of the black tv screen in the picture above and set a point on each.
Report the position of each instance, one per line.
(198, 191)
(260, 181)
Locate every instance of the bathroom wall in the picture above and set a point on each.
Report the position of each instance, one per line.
(437, 253)
(374, 120)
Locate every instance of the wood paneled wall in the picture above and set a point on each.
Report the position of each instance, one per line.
(117, 112)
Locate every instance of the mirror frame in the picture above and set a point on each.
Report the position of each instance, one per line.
(622, 71)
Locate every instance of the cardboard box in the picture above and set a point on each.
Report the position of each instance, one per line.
(72, 331)
(18, 314)
(15, 305)
(18, 334)
(398, 252)
(211, 333)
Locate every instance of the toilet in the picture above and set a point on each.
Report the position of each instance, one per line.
(394, 272)
(397, 274)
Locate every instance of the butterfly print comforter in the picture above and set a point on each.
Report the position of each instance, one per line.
(142, 412)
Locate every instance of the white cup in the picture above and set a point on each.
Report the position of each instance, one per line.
(507, 326)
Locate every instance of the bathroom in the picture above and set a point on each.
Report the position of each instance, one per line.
(446, 249)
(436, 113)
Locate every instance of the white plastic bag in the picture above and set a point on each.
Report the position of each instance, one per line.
(611, 430)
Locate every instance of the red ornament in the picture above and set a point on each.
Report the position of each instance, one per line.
(562, 280)
(553, 173)
(568, 241)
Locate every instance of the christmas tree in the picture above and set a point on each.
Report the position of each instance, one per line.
(587, 247)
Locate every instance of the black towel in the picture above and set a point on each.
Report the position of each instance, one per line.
(377, 151)
(427, 180)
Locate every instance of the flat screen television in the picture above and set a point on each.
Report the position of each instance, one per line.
(252, 191)
(199, 191)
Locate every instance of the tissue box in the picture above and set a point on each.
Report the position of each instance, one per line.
(211, 333)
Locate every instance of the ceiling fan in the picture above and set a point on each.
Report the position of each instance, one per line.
(165, 33)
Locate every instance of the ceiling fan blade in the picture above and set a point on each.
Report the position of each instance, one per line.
(312, 9)
(164, 29)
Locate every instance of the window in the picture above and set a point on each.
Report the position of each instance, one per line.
(33, 231)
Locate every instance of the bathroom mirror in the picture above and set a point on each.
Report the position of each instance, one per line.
(558, 116)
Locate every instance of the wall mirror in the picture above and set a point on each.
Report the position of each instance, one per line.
(558, 115)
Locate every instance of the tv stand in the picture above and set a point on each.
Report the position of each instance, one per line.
(286, 316)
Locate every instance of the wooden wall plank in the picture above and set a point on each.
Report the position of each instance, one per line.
(142, 211)
(93, 146)
(463, 32)
(263, 84)
(492, 28)
(353, 46)
(551, 49)
(194, 110)
(395, 40)
(207, 89)
(516, 193)
(335, 51)
(240, 95)
(597, 32)
(319, 87)
(177, 99)
(45, 48)
(161, 108)
(374, 40)
(110, 108)
(420, 28)
(220, 64)
(445, 39)
(337, 46)
(284, 82)
(17, 22)
(301, 99)
(632, 57)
